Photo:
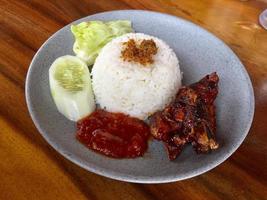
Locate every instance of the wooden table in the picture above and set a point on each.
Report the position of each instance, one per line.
(31, 169)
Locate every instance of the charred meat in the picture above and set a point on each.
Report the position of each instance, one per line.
(190, 118)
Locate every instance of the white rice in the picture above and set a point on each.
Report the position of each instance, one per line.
(132, 88)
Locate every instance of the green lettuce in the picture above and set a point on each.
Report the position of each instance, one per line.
(92, 36)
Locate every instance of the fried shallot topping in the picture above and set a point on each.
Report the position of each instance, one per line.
(141, 53)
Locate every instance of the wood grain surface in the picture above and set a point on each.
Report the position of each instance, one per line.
(31, 169)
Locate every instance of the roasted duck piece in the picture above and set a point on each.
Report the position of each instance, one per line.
(190, 118)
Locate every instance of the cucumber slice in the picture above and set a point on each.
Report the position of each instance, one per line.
(71, 89)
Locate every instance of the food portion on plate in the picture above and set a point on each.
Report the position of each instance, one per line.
(190, 118)
(136, 74)
(114, 134)
(71, 87)
(134, 91)
(91, 37)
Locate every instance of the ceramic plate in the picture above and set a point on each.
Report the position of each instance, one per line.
(199, 52)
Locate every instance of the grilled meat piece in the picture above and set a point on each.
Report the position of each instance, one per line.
(190, 118)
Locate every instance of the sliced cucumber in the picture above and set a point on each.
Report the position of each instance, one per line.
(71, 89)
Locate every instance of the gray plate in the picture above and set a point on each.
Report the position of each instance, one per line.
(199, 53)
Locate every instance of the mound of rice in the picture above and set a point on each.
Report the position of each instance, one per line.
(130, 87)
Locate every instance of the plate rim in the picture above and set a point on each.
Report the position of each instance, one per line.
(123, 177)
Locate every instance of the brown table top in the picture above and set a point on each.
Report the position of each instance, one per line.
(31, 169)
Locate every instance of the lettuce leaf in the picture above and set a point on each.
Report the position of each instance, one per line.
(92, 36)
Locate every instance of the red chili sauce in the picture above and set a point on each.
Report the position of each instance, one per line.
(113, 134)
